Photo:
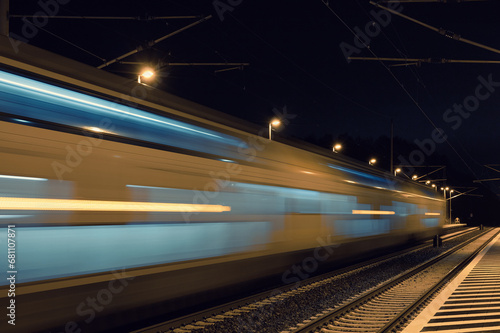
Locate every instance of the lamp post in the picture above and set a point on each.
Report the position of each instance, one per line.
(274, 123)
(444, 189)
(451, 191)
(396, 171)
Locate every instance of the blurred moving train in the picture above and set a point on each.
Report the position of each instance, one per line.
(129, 202)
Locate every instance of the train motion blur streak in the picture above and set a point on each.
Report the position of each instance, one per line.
(94, 186)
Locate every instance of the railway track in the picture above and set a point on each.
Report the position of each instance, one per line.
(387, 307)
(213, 320)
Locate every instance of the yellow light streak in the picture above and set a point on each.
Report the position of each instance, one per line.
(433, 214)
(373, 212)
(7, 203)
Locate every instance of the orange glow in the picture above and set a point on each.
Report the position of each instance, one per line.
(275, 122)
(104, 206)
(432, 214)
(374, 212)
(147, 73)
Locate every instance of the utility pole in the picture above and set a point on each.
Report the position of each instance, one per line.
(392, 146)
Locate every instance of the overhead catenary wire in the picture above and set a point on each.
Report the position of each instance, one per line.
(135, 18)
(441, 31)
(428, 60)
(429, 1)
(309, 74)
(326, 3)
(72, 44)
(156, 41)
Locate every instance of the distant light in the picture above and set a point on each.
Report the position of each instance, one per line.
(451, 191)
(24, 178)
(433, 185)
(442, 188)
(337, 147)
(276, 122)
(447, 188)
(432, 214)
(414, 177)
(148, 74)
(427, 182)
(373, 161)
(374, 212)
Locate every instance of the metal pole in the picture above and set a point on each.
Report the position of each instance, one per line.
(445, 210)
(450, 209)
(270, 131)
(392, 146)
(4, 17)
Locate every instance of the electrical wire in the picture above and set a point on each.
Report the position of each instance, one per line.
(326, 3)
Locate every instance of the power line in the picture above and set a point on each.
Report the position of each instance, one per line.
(326, 3)
(307, 73)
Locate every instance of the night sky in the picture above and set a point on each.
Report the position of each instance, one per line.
(296, 61)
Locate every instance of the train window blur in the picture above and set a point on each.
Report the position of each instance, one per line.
(364, 178)
(13, 186)
(69, 251)
(21, 96)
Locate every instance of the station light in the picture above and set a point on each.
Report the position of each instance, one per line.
(414, 177)
(428, 182)
(147, 73)
(337, 147)
(274, 123)
(396, 171)
(373, 161)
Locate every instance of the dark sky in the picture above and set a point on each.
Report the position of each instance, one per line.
(296, 60)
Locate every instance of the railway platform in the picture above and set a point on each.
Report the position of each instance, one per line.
(470, 303)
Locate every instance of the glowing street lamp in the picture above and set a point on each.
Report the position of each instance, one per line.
(396, 171)
(414, 177)
(337, 147)
(147, 74)
(274, 123)
(372, 161)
